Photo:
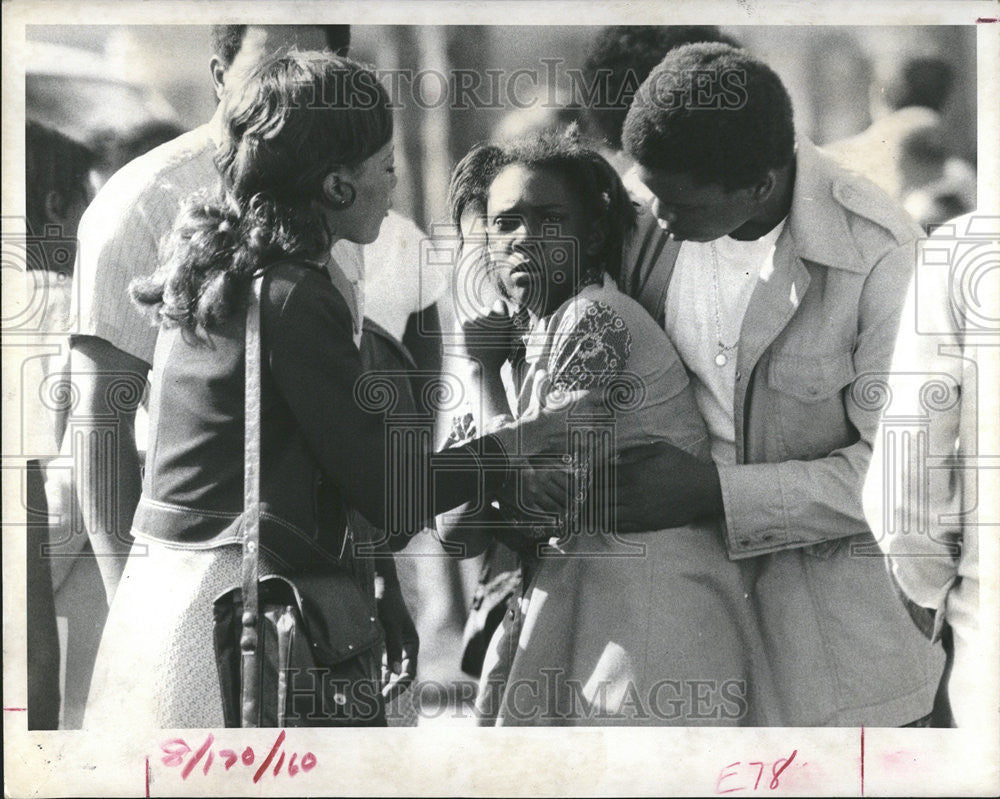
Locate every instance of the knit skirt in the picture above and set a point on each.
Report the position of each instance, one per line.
(156, 664)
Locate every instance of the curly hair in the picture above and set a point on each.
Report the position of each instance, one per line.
(713, 112)
(297, 118)
(619, 61)
(599, 187)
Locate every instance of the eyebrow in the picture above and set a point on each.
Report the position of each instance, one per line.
(547, 207)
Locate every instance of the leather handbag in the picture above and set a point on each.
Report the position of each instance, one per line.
(289, 653)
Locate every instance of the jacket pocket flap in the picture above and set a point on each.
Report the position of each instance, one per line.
(339, 622)
(811, 378)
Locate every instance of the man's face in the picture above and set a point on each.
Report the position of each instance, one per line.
(264, 41)
(692, 211)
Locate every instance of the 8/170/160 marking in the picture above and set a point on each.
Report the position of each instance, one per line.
(177, 749)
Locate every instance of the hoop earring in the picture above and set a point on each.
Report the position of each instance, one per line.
(344, 203)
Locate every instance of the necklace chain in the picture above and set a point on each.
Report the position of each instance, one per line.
(720, 358)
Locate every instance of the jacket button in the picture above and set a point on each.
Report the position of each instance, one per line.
(739, 375)
(813, 391)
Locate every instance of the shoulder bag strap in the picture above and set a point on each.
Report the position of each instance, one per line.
(249, 640)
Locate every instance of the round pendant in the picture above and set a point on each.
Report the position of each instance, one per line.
(720, 359)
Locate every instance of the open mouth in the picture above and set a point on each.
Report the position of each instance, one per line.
(521, 275)
(520, 269)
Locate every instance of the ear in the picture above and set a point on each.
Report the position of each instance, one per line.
(762, 190)
(337, 188)
(218, 70)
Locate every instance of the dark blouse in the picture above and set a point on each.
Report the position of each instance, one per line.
(323, 437)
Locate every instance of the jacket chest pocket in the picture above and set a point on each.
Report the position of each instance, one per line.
(808, 400)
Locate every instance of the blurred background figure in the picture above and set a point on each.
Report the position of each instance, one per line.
(550, 108)
(64, 593)
(907, 150)
(86, 122)
(931, 535)
(115, 148)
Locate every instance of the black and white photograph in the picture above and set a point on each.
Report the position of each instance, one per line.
(378, 374)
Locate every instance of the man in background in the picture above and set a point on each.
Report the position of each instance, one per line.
(925, 497)
(906, 151)
(112, 348)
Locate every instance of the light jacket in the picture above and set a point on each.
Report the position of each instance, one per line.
(843, 649)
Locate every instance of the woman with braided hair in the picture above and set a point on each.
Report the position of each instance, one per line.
(645, 629)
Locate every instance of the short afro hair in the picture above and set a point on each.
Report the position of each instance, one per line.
(227, 40)
(713, 112)
(619, 61)
(604, 198)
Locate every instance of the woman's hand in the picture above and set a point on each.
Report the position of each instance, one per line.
(487, 339)
(536, 491)
(399, 660)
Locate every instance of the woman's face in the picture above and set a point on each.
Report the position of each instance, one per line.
(372, 181)
(537, 231)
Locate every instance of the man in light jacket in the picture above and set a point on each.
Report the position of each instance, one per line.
(780, 278)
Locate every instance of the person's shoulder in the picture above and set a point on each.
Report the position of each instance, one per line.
(306, 281)
(289, 274)
(609, 301)
(843, 215)
(598, 310)
(874, 217)
(149, 170)
(590, 341)
(155, 173)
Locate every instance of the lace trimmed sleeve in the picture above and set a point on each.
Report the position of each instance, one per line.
(590, 346)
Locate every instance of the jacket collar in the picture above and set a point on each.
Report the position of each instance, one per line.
(817, 223)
